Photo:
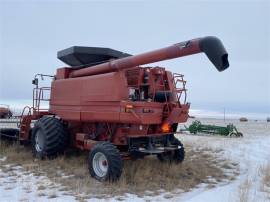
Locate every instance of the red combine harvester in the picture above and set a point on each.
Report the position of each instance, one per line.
(107, 103)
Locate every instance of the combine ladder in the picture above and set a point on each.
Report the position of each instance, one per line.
(25, 122)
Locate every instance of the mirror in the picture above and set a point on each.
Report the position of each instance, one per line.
(35, 81)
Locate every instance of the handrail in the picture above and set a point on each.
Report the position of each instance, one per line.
(30, 109)
(179, 78)
(38, 96)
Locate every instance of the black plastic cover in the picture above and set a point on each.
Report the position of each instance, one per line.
(79, 56)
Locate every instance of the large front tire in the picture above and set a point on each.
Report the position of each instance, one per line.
(48, 137)
(175, 156)
(105, 162)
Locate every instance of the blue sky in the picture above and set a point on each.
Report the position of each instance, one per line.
(31, 33)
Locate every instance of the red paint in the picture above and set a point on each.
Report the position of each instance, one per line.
(117, 100)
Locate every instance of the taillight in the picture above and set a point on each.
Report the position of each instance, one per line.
(166, 127)
(128, 108)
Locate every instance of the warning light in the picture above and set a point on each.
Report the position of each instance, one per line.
(128, 108)
(165, 127)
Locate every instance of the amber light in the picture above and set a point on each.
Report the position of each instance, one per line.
(128, 108)
(165, 127)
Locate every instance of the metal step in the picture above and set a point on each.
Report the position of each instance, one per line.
(158, 150)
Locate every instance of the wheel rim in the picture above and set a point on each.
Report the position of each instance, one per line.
(100, 164)
(39, 140)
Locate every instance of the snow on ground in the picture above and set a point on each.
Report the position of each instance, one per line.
(17, 185)
(251, 152)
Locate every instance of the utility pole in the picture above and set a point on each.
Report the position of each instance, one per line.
(224, 114)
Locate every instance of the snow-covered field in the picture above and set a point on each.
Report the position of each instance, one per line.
(252, 153)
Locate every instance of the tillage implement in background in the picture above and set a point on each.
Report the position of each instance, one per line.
(229, 130)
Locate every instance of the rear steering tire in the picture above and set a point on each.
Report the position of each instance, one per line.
(105, 162)
(175, 156)
(48, 137)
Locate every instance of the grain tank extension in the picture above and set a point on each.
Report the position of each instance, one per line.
(107, 103)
